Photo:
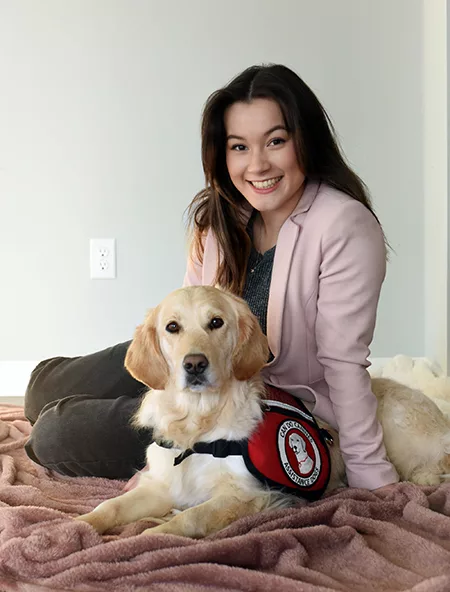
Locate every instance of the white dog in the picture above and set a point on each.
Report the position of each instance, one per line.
(200, 352)
(298, 445)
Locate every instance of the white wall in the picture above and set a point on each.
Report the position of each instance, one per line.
(100, 104)
(435, 181)
(445, 343)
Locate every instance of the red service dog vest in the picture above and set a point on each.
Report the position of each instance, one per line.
(288, 451)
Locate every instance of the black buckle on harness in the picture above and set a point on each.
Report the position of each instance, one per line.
(327, 437)
(218, 448)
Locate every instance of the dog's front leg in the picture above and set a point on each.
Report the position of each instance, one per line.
(211, 516)
(149, 499)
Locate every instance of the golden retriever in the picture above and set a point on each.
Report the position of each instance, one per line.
(200, 353)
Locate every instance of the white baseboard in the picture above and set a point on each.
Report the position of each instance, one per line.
(14, 377)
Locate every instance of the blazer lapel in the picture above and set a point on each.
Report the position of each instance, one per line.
(287, 239)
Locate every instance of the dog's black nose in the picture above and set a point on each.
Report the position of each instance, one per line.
(195, 364)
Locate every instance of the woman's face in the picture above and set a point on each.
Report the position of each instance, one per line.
(261, 158)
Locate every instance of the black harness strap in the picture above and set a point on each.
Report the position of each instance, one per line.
(218, 448)
(269, 455)
(221, 448)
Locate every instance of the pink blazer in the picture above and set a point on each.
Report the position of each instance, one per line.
(327, 275)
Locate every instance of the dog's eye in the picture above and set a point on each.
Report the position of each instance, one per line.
(173, 327)
(216, 323)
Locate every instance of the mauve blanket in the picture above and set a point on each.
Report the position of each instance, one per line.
(353, 540)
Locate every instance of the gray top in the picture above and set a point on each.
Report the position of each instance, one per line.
(257, 282)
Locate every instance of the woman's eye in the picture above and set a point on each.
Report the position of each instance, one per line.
(216, 323)
(238, 147)
(277, 142)
(172, 327)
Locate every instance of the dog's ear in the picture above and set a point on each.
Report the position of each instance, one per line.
(252, 350)
(144, 359)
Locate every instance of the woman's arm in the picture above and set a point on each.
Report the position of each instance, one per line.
(352, 272)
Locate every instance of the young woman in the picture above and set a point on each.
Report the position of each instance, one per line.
(284, 222)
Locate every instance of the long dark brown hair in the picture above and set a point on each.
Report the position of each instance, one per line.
(219, 206)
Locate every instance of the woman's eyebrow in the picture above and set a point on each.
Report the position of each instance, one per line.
(267, 133)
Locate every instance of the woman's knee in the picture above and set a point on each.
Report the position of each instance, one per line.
(101, 374)
(39, 393)
(81, 436)
(49, 441)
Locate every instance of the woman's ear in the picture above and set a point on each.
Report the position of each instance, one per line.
(252, 350)
(144, 359)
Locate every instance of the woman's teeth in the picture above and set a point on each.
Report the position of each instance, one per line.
(265, 184)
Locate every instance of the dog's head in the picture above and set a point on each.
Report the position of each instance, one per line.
(297, 443)
(197, 339)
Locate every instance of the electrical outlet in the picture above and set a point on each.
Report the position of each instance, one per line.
(103, 258)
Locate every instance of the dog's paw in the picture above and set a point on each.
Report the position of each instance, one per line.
(165, 528)
(94, 520)
(178, 527)
(152, 530)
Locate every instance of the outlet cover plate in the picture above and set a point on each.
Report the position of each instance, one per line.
(103, 258)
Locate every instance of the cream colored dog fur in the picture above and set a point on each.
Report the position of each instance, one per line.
(206, 325)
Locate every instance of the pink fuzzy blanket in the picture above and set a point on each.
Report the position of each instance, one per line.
(353, 540)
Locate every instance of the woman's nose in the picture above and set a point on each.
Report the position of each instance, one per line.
(258, 162)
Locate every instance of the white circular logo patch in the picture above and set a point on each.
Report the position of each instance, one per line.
(299, 454)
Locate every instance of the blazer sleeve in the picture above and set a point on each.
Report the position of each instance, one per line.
(352, 271)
